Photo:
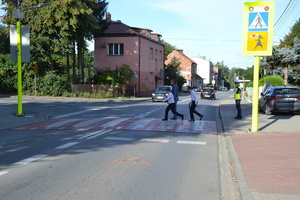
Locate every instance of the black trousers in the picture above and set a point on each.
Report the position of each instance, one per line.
(238, 107)
(192, 110)
(172, 107)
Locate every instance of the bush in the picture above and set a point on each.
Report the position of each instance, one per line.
(52, 84)
(274, 80)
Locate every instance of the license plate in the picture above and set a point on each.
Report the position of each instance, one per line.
(207, 95)
(288, 99)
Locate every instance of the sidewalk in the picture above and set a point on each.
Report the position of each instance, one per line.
(267, 163)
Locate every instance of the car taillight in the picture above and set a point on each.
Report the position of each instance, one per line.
(298, 98)
(274, 97)
(202, 92)
(212, 93)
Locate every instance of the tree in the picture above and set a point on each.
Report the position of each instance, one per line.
(288, 40)
(172, 70)
(168, 48)
(4, 40)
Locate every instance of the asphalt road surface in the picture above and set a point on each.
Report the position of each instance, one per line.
(113, 151)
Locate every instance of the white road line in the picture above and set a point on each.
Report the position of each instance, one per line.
(119, 138)
(155, 140)
(67, 145)
(57, 124)
(190, 142)
(90, 134)
(79, 112)
(3, 172)
(96, 135)
(113, 122)
(31, 159)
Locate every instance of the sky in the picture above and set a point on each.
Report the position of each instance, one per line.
(210, 28)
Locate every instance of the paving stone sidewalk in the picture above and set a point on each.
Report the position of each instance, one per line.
(266, 163)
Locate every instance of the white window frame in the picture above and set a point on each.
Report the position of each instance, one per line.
(115, 49)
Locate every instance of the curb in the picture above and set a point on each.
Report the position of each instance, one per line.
(237, 171)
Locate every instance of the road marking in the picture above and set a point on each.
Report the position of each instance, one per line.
(79, 112)
(31, 159)
(87, 123)
(155, 140)
(132, 161)
(118, 138)
(113, 122)
(99, 134)
(58, 124)
(3, 172)
(190, 142)
(67, 145)
(88, 135)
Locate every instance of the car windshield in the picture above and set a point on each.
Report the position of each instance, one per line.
(161, 89)
(208, 90)
(287, 91)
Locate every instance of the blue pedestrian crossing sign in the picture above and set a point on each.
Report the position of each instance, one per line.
(258, 28)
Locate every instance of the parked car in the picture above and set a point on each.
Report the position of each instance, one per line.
(208, 93)
(160, 93)
(197, 89)
(222, 88)
(280, 98)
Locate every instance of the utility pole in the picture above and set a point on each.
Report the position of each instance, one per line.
(18, 15)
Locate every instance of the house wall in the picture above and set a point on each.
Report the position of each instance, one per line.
(151, 66)
(147, 67)
(186, 65)
(204, 69)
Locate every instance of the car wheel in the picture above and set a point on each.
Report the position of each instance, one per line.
(267, 110)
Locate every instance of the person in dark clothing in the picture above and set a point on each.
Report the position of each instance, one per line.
(175, 91)
(194, 102)
(171, 105)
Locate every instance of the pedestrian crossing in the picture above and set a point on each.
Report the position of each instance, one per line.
(145, 124)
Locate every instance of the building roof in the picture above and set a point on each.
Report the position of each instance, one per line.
(117, 28)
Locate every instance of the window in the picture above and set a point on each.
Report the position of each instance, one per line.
(115, 49)
(151, 53)
(160, 56)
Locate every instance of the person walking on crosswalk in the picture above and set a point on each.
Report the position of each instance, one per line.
(193, 104)
(171, 105)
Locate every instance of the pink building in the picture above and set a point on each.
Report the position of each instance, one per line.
(137, 47)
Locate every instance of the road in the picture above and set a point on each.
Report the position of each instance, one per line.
(112, 150)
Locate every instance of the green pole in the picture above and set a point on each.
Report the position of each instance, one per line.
(19, 63)
(255, 94)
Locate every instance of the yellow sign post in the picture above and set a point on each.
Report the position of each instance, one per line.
(257, 41)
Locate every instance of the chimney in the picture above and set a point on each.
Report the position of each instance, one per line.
(180, 51)
(108, 17)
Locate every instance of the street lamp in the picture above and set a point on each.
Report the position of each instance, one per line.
(18, 14)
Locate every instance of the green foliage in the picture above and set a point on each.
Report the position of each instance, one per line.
(274, 80)
(168, 47)
(4, 40)
(120, 76)
(288, 40)
(172, 70)
(52, 84)
(8, 75)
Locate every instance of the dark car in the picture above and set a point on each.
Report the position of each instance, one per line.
(208, 93)
(160, 93)
(280, 98)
